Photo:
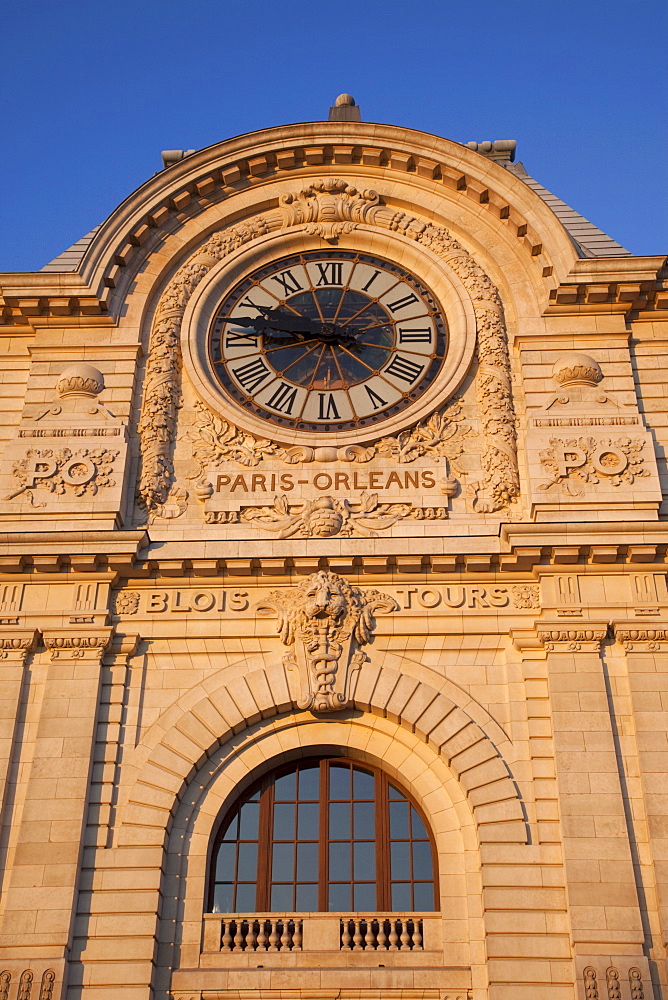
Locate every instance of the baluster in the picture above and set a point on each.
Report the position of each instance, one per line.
(405, 936)
(227, 936)
(262, 936)
(345, 935)
(417, 935)
(357, 936)
(369, 937)
(286, 937)
(273, 936)
(381, 937)
(394, 937)
(239, 937)
(251, 936)
(297, 936)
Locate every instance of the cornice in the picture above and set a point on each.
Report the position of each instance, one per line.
(583, 638)
(642, 639)
(216, 174)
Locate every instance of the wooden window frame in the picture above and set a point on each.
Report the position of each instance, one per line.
(266, 787)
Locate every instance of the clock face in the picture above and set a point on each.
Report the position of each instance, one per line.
(327, 341)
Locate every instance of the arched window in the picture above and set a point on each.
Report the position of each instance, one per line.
(323, 834)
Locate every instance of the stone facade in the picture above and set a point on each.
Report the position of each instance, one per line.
(470, 595)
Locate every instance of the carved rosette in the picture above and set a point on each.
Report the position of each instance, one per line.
(583, 639)
(328, 208)
(325, 621)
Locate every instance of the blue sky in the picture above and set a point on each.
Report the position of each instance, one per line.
(93, 91)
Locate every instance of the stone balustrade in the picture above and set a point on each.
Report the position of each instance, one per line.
(270, 932)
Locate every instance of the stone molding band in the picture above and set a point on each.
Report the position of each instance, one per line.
(329, 208)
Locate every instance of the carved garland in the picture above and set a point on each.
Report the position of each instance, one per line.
(330, 208)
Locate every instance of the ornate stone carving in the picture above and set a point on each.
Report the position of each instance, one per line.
(329, 206)
(25, 985)
(592, 461)
(16, 645)
(46, 988)
(5, 983)
(575, 368)
(327, 516)
(648, 640)
(560, 639)
(613, 984)
(525, 596)
(80, 380)
(126, 602)
(635, 980)
(77, 647)
(326, 621)
(590, 984)
(79, 473)
(157, 423)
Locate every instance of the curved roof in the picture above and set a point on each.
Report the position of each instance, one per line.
(588, 239)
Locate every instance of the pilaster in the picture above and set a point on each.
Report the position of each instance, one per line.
(36, 927)
(14, 649)
(602, 895)
(646, 648)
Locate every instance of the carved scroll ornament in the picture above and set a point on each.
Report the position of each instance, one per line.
(328, 208)
(326, 621)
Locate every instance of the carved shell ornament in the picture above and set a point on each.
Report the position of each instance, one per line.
(329, 208)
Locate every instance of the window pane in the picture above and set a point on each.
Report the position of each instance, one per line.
(281, 898)
(307, 827)
(307, 898)
(339, 782)
(365, 896)
(282, 862)
(248, 820)
(284, 822)
(399, 820)
(245, 899)
(339, 821)
(307, 862)
(401, 897)
(395, 793)
(399, 860)
(285, 788)
(339, 861)
(225, 862)
(422, 860)
(339, 898)
(364, 820)
(419, 832)
(247, 863)
(424, 896)
(364, 860)
(231, 831)
(363, 784)
(309, 784)
(222, 898)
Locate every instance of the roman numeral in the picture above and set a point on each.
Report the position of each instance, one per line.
(371, 280)
(402, 303)
(418, 335)
(251, 375)
(283, 399)
(376, 400)
(330, 273)
(243, 339)
(404, 369)
(332, 413)
(249, 302)
(288, 282)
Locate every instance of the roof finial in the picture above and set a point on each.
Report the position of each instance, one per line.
(345, 109)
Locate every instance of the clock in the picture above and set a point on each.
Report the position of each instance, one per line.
(327, 341)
